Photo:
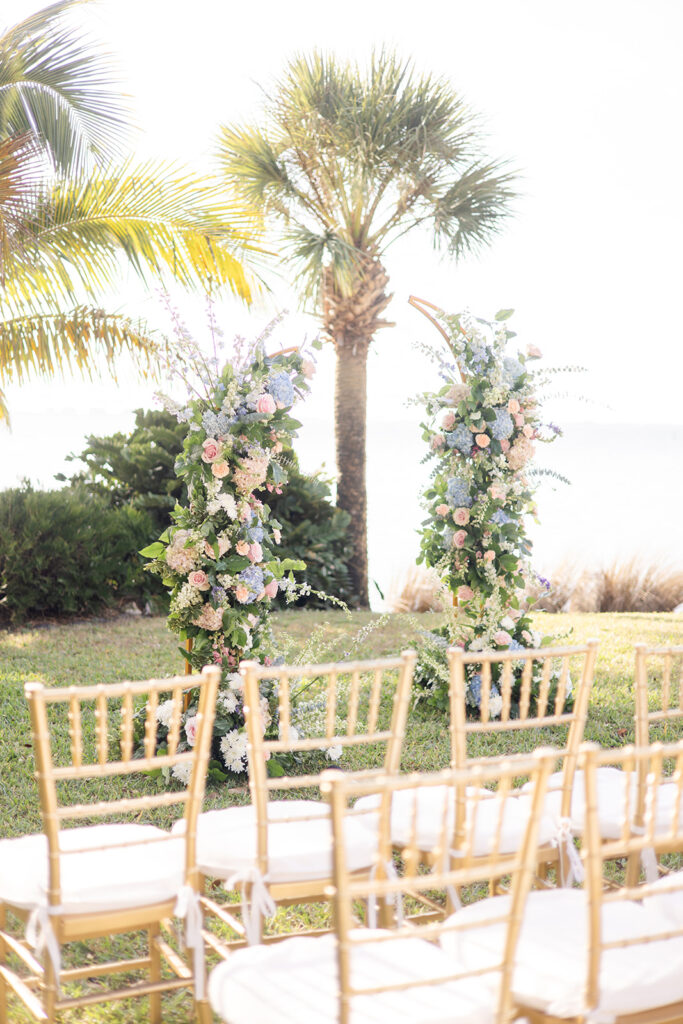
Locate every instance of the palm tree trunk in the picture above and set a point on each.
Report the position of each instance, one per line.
(350, 404)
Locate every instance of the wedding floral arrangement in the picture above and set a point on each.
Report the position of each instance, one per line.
(482, 428)
(219, 558)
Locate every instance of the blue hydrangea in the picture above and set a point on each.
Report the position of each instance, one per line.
(458, 492)
(460, 438)
(515, 645)
(502, 426)
(280, 387)
(255, 533)
(252, 577)
(216, 424)
(513, 369)
(475, 690)
(478, 356)
(500, 518)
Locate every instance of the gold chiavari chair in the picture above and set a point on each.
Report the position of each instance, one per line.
(280, 851)
(610, 952)
(521, 691)
(109, 873)
(399, 973)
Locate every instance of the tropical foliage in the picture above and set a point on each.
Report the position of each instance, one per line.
(344, 162)
(73, 211)
(482, 426)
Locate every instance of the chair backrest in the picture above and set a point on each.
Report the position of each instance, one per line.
(457, 860)
(654, 828)
(103, 720)
(348, 704)
(518, 691)
(659, 693)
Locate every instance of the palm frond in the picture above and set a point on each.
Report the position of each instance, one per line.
(42, 344)
(469, 213)
(313, 252)
(20, 177)
(58, 85)
(165, 222)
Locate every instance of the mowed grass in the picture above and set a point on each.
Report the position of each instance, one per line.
(106, 651)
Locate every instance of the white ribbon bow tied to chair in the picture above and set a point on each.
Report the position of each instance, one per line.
(564, 841)
(188, 908)
(40, 935)
(394, 899)
(260, 904)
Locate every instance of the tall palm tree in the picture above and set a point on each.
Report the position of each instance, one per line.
(72, 211)
(343, 163)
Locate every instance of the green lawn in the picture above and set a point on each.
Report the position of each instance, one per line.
(135, 649)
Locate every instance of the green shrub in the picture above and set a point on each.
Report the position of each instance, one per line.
(65, 552)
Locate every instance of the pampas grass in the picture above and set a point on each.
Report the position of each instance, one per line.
(632, 586)
(417, 590)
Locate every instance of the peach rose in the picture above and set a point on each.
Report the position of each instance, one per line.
(502, 638)
(211, 450)
(505, 445)
(191, 730)
(242, 548)
(513, 406)
(266, 404)
(461, 516)
(448, 420)
(489, 556)
(437, 442)
(483, 440)
(271, 589)
(519, 419)
(442, 510)
(533, 352)
(276, 535)
(528, 431)
(199, 579)
(497, 492)
(465, 593)
(223, 546)
(308, 368)
(255, 553)
(242, 593)
(459, 539)
(220, 469)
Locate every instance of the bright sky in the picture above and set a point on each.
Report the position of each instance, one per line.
(584, 97)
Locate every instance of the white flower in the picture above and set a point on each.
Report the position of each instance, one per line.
(229, 701)
(335, 752)
(234, 750)
(495, 705)
(182, 772)
(293, 734)
(234, 681)
(266, 717)
(164, 713)
(507, 623)
(477, 644)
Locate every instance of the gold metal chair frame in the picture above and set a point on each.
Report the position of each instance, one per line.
(67, 926)
(260, 749)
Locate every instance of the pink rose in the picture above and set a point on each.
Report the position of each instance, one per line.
(242, 593)
(442, 510)
(502, 638)
(489, 556)
(505, 445)
(255, 553)
(271, 589)
(242, 548)
(527, 636)
(220, 469)
(437, 442)
(483, 440)
(308, 368)
(276, 535)
(199, 579)
(266, 404)
(513, 406)
(191, 730)
(461, 516)
(211, 450)
(448, 420)
(528, 431)
(533, 352)
(465, 593)
(519, 419)
(496, 491)
(459, 539)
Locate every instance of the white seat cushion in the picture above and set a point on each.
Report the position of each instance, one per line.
(428, 821)
(668, 898)
(137, 875)
(296, 982)
(552, 954)
(297, 850)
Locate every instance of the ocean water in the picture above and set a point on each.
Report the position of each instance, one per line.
(624, 499)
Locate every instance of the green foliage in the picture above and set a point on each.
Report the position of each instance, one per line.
(136, 468)
(66, 552)
(315, 530)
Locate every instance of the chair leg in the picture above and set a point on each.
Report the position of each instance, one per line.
(203, 1012)
(154, 974)
(633, 870)
(51, 989)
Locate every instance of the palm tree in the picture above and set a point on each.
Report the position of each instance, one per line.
(343, 163)
(72, 212)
